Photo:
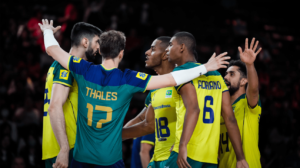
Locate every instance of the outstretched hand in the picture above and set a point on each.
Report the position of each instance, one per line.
(45, 25)
(249, 54)
(242, 164)
(217, 62)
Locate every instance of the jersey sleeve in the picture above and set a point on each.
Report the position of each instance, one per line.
(148, 99)
(149, 139)
(256, 109)
(138, 80)
(223, 85)
(62, 76)
(78, 66)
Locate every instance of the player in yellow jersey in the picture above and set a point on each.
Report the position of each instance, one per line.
(246, 106)
(61, 99)
(161, 115)
(198, 106)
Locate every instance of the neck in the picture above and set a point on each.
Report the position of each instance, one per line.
(237, 94)
(110, 63)
(164, 68)
(186, 57)
(78, 52)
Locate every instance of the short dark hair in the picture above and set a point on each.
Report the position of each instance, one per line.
(81, 30)
(165, 40)
(187, 39)
(241, 65)
(111, 43)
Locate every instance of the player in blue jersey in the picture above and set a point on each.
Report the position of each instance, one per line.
(105, 92)
(142, 151)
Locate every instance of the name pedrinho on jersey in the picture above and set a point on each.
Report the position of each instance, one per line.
(248, 122)
(165, 121)
(204, 143)
(104, 96)
(59, 75)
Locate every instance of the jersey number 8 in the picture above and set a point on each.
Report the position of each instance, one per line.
(99, 108)
(162, 124)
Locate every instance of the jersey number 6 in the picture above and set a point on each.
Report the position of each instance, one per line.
(99, 108)
(208, 110)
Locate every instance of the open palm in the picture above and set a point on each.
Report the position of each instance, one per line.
(249, 54)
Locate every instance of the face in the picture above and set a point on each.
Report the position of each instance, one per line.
(233, 79)
(153, 55)
(93, 49)
(173, 50)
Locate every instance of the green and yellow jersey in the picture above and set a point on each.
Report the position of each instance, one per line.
(204, 143)
(248, 122)
(165, 121)
(59, 75)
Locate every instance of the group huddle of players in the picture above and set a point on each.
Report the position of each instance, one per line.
(204, 120)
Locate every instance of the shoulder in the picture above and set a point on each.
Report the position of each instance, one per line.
(187, 65)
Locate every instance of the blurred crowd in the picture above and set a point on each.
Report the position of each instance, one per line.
(218, 25)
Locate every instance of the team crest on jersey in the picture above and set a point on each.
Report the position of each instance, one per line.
(141, 75)
(76, 59)
(64, 74)
(168, 93)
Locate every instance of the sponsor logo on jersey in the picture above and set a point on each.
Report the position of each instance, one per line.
(141, 75)
(76, 59)
(64, 74)
(168, 93)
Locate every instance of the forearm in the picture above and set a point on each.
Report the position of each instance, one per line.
(235, 137)
(190, 122)
(138, 130)
(139, 118)
(145, 158)
(57, 120)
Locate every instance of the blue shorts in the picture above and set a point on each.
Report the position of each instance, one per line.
(76, 164)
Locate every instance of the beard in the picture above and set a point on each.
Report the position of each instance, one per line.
(90, 54)
(232, 88)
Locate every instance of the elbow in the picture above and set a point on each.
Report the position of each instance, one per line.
(52, 108)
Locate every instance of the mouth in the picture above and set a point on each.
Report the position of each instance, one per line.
(147, 58)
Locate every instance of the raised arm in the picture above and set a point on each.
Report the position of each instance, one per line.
(143, 128)
(59, 96)
(248, 57)
(183, 76)
(52, 47)
(233, 130)
(189, 97)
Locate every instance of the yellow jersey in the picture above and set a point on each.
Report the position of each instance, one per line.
(204, 143)
(248, 122)
(165, 121)
(58, 74)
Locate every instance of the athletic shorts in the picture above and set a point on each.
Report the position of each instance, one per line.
(50, 162)
(158, 164)
(172, 162)
(76, 164)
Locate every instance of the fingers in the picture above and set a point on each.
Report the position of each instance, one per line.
(258, 50)
(214, 55)
(221, 55)
(252, 43)
(246, 44)
(43, 21)
(56, 29)
(225, 58)
(46, 21)
(51, 22)
(186, 164)
(240, 50)
(256, 44)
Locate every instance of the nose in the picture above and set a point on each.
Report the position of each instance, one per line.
(147, 52)
(226, 77)
(167, 49)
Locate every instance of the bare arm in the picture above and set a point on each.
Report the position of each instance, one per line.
(59, 55)
(232, 127)
(145, 154)
(190, 101)
(139, 118)
(59, 96)
(248, 57)
(183, 76)
(143, 128)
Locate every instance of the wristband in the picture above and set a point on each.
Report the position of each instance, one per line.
(49, 39)
(184, 76)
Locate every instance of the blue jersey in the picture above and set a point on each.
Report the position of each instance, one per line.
(136, 148)
(104, 96)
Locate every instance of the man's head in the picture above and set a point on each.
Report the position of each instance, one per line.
(87, 36)
(156, 54)
(180, 43)
(112, 44)
(236, 76)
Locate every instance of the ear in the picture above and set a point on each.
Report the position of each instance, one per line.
(85, 42)
(182, 48)
(121, 54)
(244, 81)
(164, 56)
